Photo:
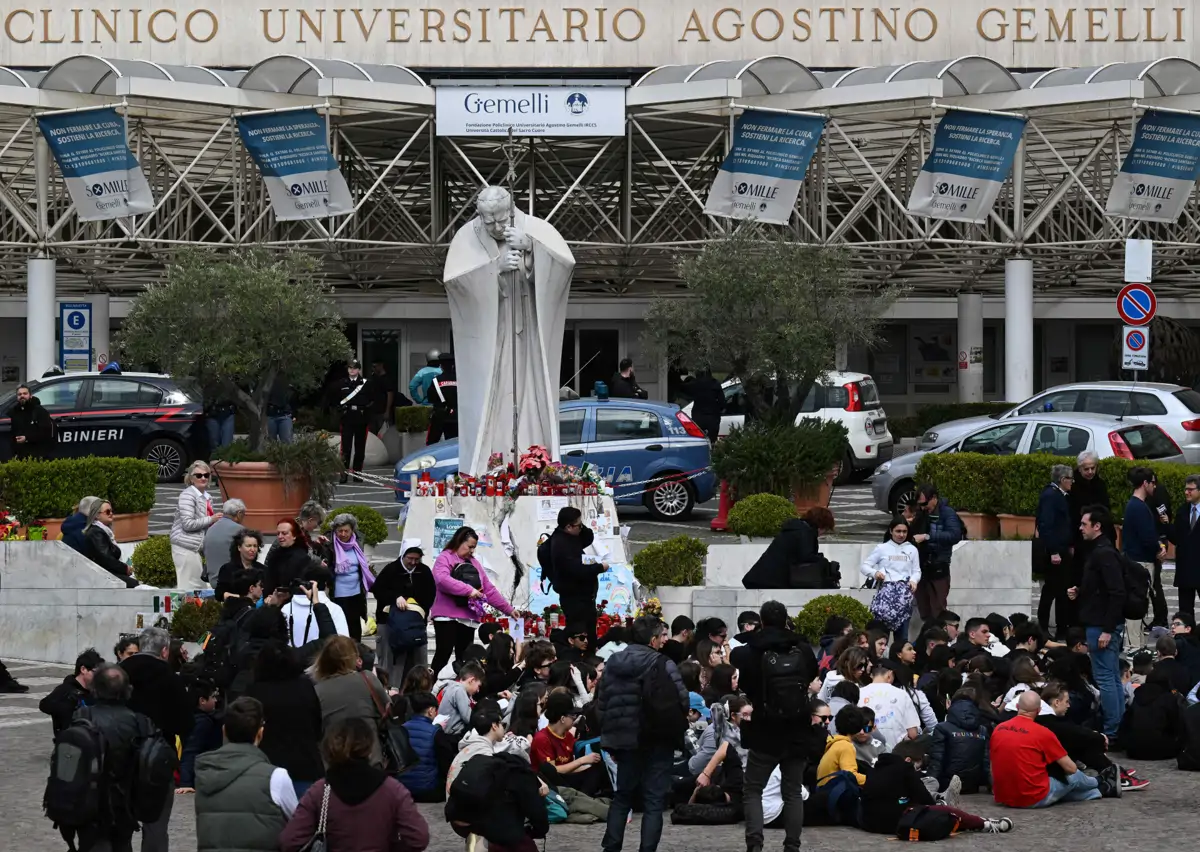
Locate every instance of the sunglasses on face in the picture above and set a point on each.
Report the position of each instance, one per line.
(825, 719)
(199, 476)
(867, 728)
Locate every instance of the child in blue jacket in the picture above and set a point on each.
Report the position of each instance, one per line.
(422, 780)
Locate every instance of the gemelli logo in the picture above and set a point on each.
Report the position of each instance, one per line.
(577, 103)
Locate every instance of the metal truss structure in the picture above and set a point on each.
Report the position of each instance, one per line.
(628, 206)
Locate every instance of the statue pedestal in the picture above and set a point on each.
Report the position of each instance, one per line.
(433, 520)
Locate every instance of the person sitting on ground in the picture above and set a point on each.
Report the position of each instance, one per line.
(1189, 756)
(1028, 640)
(894, 787)
(500, 667)
(457, 699)
(1021, 751)
(242, 801)
(793, 559)
(1168, 662)
(1024, 676)
(73, 526)
(722, 681)
(422, 779)
(1084, 746)
(897, 717)
(487, 736)
(576, 649)
(853, 665)
(839, 754)
(682, 631)
(836, 626)
(748, 621)
(959, 746)
(552, 754)
(1153, 728)
(867, 743)
(205, 735)
(74, 692)
(845, 694)
(974, 640)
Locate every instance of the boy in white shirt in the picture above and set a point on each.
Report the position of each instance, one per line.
(896, 717)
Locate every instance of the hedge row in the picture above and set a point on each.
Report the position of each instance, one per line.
(995, 485)
(928, 416)
(34, 490)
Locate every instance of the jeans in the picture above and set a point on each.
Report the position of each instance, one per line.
(220, 430)
(647, 769)
(280, 428)
(1077, 788)
(1106, 671)
(759, 766)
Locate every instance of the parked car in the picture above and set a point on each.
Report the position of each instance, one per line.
(1173, 407)
(849, 398)
(640, 447)
(1057, 434)
(136, 415)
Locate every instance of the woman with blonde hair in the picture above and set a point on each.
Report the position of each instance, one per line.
(101, 543)
(346, 692)
(193, 516)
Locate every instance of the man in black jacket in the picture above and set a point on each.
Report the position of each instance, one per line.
(160, 695)
(1101, 596)
(1052, 549)
(624, 383)
(75, 690)
(1184, 533)
(31, 430)
(775, 734)
(576, 583)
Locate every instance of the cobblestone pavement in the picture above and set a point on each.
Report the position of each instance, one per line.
(1145, 820)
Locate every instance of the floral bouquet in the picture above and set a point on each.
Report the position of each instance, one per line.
(534, 460)
(650, 606)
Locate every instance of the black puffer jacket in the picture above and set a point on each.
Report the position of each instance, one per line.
(619, 696)
(573, 579)
(795, 544)
(960, 747)
(1153, 725)
(771, 735)
(120, 728)
(160, 695)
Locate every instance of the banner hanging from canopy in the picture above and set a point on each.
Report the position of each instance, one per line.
(971, 158)
(292, 153)
(101, 173)
(761, 177)
(1160, 168)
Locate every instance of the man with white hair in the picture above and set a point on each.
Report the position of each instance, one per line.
(218, 539)
(1052, 549)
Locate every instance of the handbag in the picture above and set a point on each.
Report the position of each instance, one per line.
(316, 843)
(398, 754)
(893, 603)
(467, 573)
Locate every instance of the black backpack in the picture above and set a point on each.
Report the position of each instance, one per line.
(921, 822)
(546, 560)
(785, 684)
(467, 573)
(154, 777)
(475, 785)
(1138, 589)
(664, 719)
(75, 791)
(222, 646)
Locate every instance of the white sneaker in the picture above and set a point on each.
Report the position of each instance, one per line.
(952, 795)
(1001, 825)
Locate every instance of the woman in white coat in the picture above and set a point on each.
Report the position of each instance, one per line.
(894, 569)
(193, 516)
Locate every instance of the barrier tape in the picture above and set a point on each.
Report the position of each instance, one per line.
(658, 481)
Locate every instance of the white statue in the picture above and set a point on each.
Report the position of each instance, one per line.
(499, 255)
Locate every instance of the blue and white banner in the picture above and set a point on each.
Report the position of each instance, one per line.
(761, 177)
(292, 153)
(971, 158)
(101, 173)
(1160, 169)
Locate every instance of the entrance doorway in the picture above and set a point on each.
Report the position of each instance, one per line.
(590, 354)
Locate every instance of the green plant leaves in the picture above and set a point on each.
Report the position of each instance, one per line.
(309, 458)
(190, 622)
(778, 457)
(678, 561)
(810, 621)
(413, 418)
(153, 564)
(34, 489)
(371, 525)
(761, 515)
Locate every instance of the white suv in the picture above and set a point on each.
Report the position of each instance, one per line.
(849, 398)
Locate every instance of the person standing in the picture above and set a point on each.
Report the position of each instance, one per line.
(1101, 596)
(443, 396)
(406, 579)
(193, 516)
(457, 606)
(218, 539)
(1159, 501)
(945, 531)
(1185, 535)
(775, 734)
(384, 396)
(1052, 549)
(576, 583)
(640, 737)
(219, 413)
(624, 383)
(31, 433)
(352, 577)
(708, 403)
(354, 406)
(74, 692)
(280, 426)
(422, 380)
(1087, 489)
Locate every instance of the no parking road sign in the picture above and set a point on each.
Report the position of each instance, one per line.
(1135, 350)
(1136, 304)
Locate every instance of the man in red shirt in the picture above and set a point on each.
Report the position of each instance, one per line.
(1021, 751)
(552, 752)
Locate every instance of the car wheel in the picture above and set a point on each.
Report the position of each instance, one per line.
(902, 492)
(169, 456)
(670, 498)
(846, 471)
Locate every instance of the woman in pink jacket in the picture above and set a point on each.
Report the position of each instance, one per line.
(458, 607)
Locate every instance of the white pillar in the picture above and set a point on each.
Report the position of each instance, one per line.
(970, 344)
(1018, 329)
(40, 307)
(100, 343)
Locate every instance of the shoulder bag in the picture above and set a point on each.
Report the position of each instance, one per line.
(398, 753)
(317, 842)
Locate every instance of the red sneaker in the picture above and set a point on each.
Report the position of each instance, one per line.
(1128, 783)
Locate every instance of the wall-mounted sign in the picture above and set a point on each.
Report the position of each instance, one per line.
(75, 346)
(531, 111)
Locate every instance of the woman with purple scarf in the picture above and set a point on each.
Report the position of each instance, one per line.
(352, 577)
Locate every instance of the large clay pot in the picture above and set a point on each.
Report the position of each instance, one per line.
(1016, 526)
(260, 487)
(979, 526)
(810, 496)
(129, 527)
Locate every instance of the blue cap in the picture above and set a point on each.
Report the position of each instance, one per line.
(696, 702)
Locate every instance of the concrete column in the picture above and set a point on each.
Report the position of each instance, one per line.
(970, 345)
(40, 304)
(100, 321)
(1018, 329)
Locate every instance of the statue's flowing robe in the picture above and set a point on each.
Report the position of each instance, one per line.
(481, 315)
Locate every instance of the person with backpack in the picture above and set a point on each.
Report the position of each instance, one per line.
(642, 707)
(161, 696)
(960, 746)
(776, 668)
(74, 692)
(561, 558)
(1102, 611)
(401, 584)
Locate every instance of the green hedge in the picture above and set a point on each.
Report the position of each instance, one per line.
(678, 561)
(761, 515)
(810, 621)
(413, 418)
(371, 524)
(36, 490)
(153, 564)
(928, 416)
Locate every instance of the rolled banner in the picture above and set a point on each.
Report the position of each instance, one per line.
(104, 178)
(1160, 169)
(971, 158)
(292, 153)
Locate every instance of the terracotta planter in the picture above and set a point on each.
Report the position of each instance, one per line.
(815, 495)
(979, 526)
(260, 487)
(1016, 526)
(131, 527)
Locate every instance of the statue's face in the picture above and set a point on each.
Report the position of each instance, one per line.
(495, 219)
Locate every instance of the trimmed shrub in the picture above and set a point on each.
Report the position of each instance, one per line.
(775, 458)
(153, 564)
(371, 525)
(760, 515)
(970, 482)
(34, 490)
(413, 418)
(810, 621)
(678, 561)
(194, 618)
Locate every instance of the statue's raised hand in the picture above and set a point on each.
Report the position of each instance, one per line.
(512, 260)
(517, 240)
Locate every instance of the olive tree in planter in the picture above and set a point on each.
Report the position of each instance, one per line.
(232, 322)
(775, 456)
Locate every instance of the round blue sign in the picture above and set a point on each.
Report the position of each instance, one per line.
(76, 320)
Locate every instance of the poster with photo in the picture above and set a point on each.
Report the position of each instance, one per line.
(444, 530)
(932, 355)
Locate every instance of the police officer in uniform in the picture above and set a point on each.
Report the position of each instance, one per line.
(354, 403)
(443, 395)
